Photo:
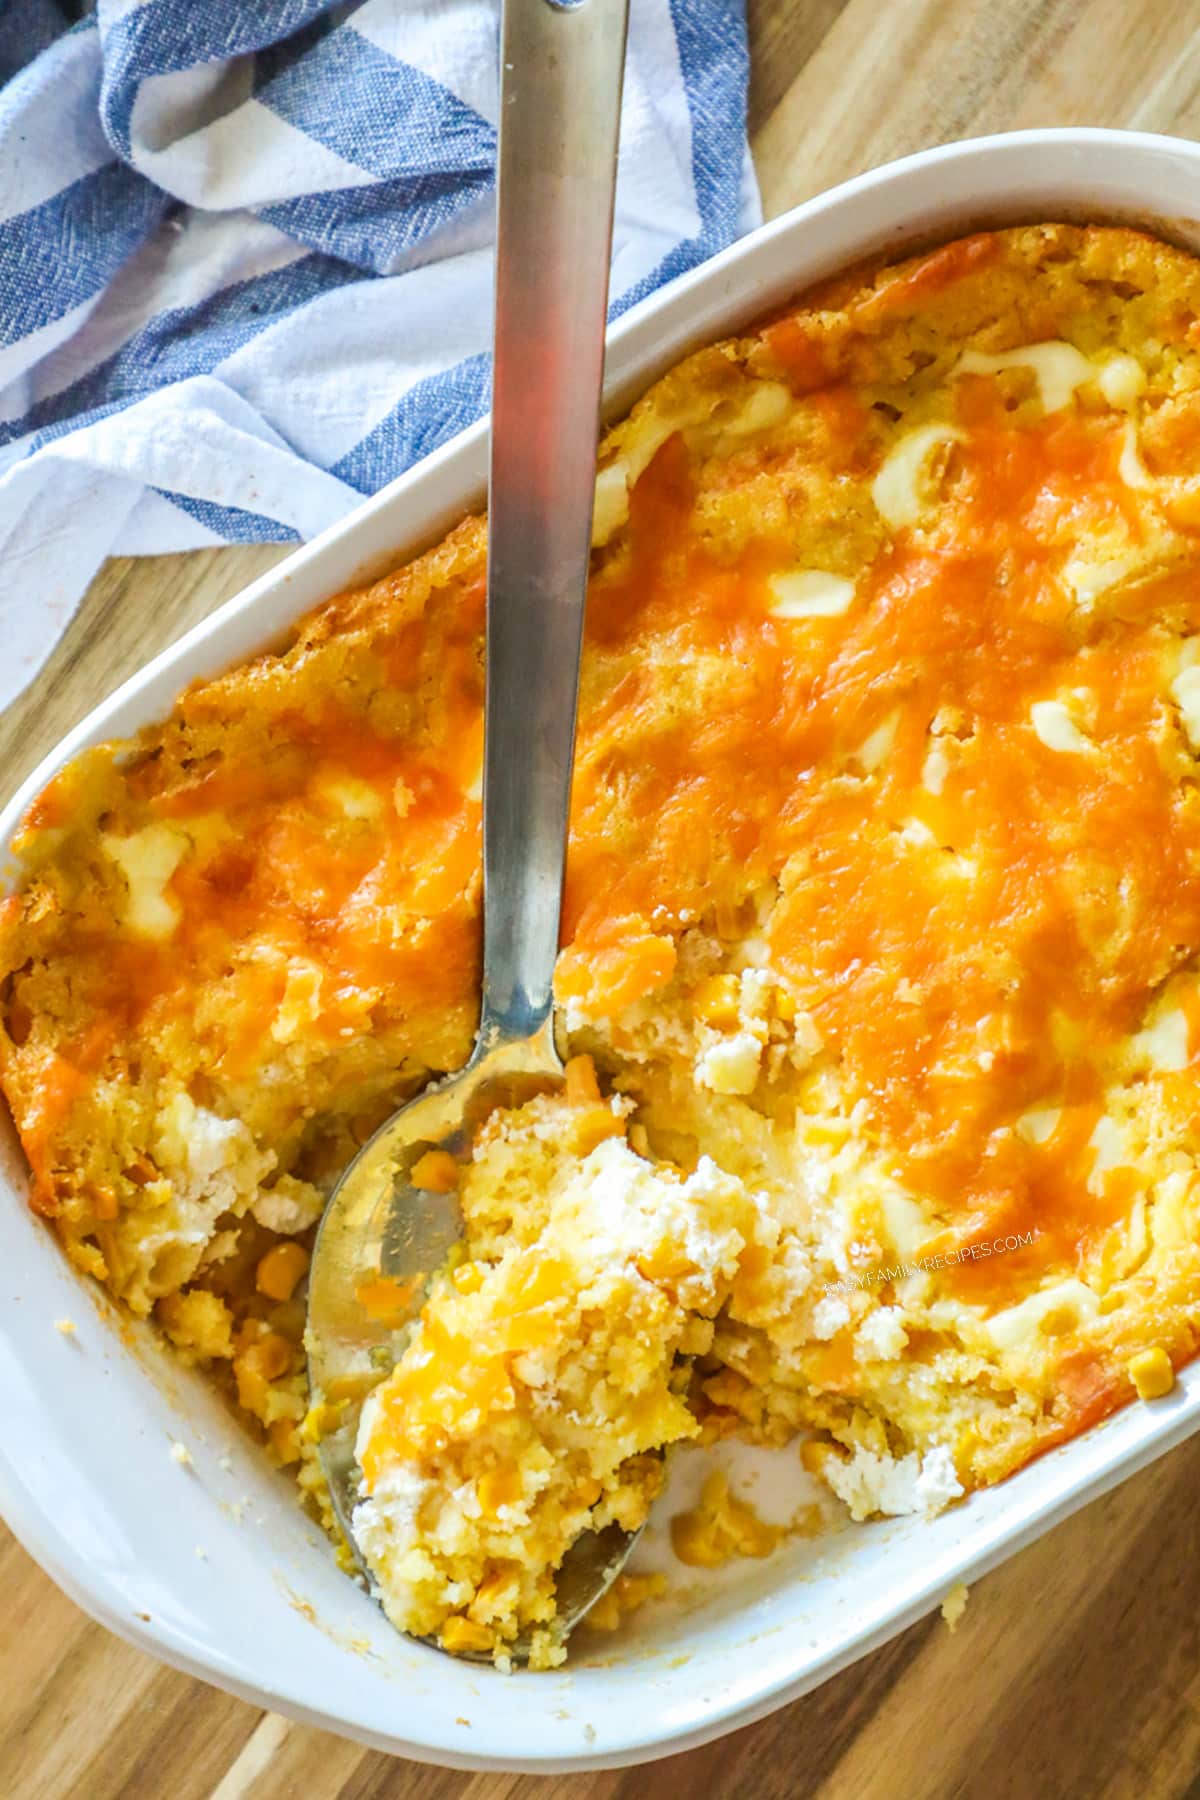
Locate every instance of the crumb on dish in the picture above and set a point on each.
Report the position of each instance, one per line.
(955, 1605)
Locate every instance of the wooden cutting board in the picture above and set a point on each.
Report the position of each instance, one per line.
(1076, 1669)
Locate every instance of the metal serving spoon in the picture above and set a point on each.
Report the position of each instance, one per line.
(560, 105)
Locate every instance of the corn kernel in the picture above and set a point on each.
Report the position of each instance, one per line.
(281, 1270)
(283, 1440)
(382, 1298)
(814, 1455)
(666, 1262)
(436, 1172)
(468, 1278)
(269, 1356)
(785, 1005)
(459, 1635)
(499, 1487)
(582, 1087)
(319, 1421)
(726, 919)
(104, 1203)
(592, 1127)
(716, 1001)
(693, 1541)
(494, 1594)
(1151, 1373)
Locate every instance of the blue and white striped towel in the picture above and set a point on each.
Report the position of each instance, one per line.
(245, 265)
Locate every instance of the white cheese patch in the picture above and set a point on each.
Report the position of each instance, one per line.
(935, 769)
(1059, 368)
(1108, 1143)
(610, 508)
(1039, 1124)
(1164, 1044)
(1056, 728)
(917, 834)
(875, 749)
(301, 1003)
(349, 795)
(1093, 572)
(1020, 1327)
(148, 859)
(809, 594)
(899, 490)
(768, 405)
(1121, 380)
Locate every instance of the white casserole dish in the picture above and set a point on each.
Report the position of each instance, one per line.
(213, 1567)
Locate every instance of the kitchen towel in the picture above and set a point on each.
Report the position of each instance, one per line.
(245, 267)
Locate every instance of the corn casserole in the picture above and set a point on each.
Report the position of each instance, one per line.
(879, 975)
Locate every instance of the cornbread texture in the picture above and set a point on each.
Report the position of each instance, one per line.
(881, 932)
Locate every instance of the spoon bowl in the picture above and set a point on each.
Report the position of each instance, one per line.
(379, 1225)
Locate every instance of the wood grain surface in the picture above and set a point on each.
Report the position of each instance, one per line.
(1076, 1669)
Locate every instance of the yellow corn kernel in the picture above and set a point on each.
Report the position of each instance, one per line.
(1151, 1373)
(693, 1540)
(386, 1300)
(104, 1203)
(727, 919)
(664, 1263)
(281, 1270)
(814, 1455)
(493, 1595)
(966, 1446)
(436, 1172)
(269, 1356)
(459, 1635)
(499, 1487)
(319, 1421)
(785, 1005)
(282, 1435)
(468, 1278)
(582, 1087)
(588, 1491)
(592, 1127)
(716, 1001)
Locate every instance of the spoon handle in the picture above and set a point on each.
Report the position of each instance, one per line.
(560, 105)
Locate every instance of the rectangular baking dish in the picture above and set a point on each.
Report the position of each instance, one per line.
(213, 1567)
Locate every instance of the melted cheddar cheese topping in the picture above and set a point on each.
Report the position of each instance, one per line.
(883, 884)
